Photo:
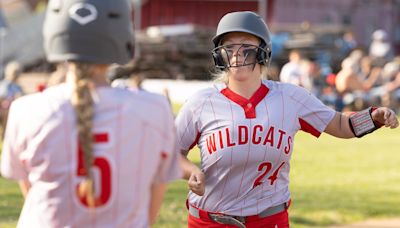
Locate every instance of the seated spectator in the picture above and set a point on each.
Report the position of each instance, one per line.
(129, 76)
(365, 67)
(380, 49)
(126, 76)
(390, 90)
(351, 87)
(347, 79)
(348, 43)
(294, 71)
(9, 90)
(357, 55)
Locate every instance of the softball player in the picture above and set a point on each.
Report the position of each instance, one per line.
(86, 154)
(245, 129)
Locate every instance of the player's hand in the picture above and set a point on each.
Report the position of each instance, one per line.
(386, 117)
(196, 183)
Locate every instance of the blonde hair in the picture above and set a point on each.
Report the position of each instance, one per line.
(222, 76)
(82, 101)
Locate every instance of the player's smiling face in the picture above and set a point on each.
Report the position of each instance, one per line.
(240, 51)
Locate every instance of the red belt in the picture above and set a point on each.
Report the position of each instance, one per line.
(216, 217)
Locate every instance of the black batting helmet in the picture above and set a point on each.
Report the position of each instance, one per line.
(247, 22)
(94, 31)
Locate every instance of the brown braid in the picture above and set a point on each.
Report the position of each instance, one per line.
(82, 102)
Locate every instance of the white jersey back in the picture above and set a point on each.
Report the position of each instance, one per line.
(246, 145)
(134, 146)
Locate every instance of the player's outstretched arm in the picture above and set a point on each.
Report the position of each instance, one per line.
(192, 173)
(349, 125)
(385, 116)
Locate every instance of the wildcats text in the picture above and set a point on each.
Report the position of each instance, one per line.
(258, 134)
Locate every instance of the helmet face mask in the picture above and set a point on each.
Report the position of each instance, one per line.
(245, 22)
(246, 54)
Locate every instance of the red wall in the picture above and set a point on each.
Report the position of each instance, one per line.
(206, 13)
(362, 16)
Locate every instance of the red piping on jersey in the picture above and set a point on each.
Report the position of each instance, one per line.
(305, 126)
(164, 155)
(248, 105)
(195, 141)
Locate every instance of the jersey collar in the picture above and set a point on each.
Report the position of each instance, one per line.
(248, 105)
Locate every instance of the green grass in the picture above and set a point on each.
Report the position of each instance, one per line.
(336, 181)
(333, 181)
(10, 203)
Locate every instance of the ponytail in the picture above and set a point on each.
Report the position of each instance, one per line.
(82, 101)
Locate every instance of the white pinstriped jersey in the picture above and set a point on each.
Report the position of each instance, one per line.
(134, 146)
(246, 145)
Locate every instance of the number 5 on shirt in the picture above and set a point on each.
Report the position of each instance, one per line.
(104, 169)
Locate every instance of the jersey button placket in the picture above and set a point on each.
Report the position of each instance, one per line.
(249, 110)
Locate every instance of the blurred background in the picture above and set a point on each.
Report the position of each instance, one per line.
(346, 52)
(173, 43)
(173, 37)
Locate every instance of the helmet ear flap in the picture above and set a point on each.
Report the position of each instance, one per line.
(218, 59)
(263, 54)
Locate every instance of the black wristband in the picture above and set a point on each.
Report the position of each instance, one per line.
(361, 123)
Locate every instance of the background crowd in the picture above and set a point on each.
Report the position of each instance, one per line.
(365, 77)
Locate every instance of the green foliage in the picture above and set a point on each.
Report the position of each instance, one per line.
(333, 181)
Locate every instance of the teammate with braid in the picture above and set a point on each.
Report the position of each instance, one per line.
(86, 154)
(245, 128)
(82, 102)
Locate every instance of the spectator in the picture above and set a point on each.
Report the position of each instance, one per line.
(380, 49)
(130, 76)
(9, 91)
(293, 71)
(126, 76)
(350, 86)
(348, 43)
(391, 87)
(9, 88)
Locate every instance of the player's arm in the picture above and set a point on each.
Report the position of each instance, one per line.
(192, 173)
(169, 168)
(188, 167)
(14, 143)
(340, 126)
(157, 196)
(24, 186)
